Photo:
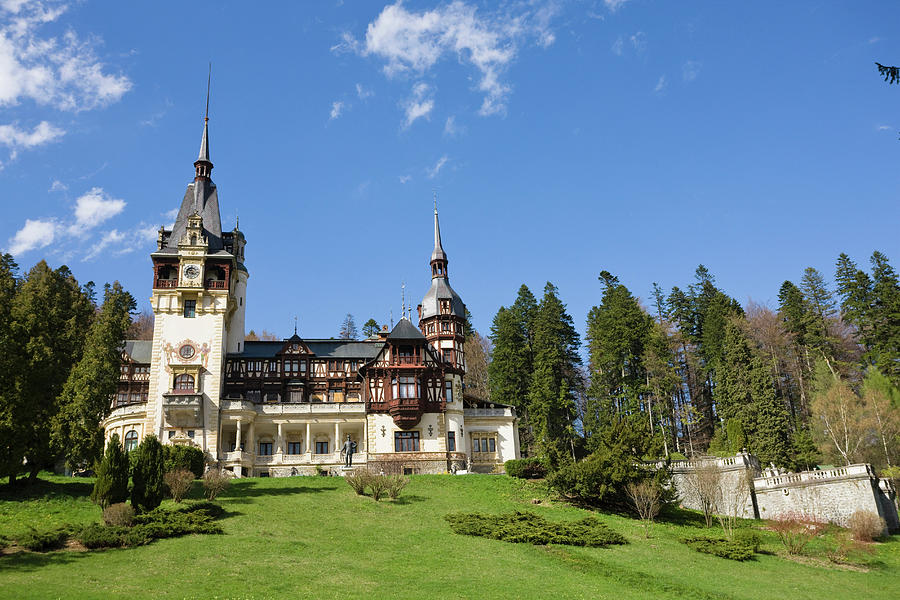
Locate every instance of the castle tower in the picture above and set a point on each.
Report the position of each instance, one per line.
(198, 300)
(442, 314)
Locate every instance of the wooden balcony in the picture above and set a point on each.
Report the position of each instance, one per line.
(216, 284)
(164, 284)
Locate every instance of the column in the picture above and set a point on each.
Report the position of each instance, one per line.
(279, 441)
(251, 438)
(337, 438)
(238, 440)
(308, 443)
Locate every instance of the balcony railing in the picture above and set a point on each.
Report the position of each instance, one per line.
(166, 283)
(216, 284)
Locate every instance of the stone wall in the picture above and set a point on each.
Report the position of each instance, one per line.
(831, 495)
(734, 472)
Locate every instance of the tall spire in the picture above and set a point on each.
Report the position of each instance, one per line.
(203, 166)
(438, 253)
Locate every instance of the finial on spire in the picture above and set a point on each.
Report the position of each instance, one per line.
(208, 80)
(295, 324)
(403, 300)
(435, 200)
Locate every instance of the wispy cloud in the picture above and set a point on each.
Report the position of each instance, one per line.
(58, 186)
(614, 5)
(660, 85)
(362, 93)
(412, 42)
(60, 72)
(690, 70)
(337, 108)
(451, 128)
(419, 104)
(433, 171)
(79, 229)
(884, 128)
(154, 119)
(638, 41)
(405, 178)
(94, 208)
(618, 46)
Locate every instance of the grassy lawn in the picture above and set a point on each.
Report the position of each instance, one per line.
(313, 537)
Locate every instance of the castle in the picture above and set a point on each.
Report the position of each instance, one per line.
(262, 408)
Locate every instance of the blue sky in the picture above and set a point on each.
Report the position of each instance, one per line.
(562, 138)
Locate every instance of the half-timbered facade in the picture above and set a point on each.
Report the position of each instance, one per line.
(284, 408)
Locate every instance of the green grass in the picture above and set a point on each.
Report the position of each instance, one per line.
(313, 537)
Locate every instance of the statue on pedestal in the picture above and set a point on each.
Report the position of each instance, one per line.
(347, 451)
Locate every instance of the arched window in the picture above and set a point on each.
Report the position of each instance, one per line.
(130, 440)
(184, 382)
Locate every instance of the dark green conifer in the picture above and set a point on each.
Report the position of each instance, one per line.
(147, 468)
(111, 485)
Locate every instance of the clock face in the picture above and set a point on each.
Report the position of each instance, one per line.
(186, 351)
(192, 271)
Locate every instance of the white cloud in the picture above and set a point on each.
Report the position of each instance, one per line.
(147, 233)
(362, 93)
(614, 5)
(413, 42)
(660, 85)
(874, 40)
(418, 105)
(109, 238)
(63, 72)
(405, 178)
(451, 129)
(336, 108)
(433, 171)
(43, 133)
(617, 46)
(884, 128)
(639, 41)
(35, 234)
(58, 186)
(690, 70)
(93, 208)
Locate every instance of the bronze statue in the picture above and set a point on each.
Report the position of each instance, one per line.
(348, 451)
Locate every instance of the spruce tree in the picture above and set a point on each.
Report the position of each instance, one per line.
(551, 398)
(147, 489)
(885, 309)
(111, 485)
(51, 314)
(771, 441)
(617, 330)
(84, 401)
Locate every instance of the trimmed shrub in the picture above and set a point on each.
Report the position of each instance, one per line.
(189, 458)
(119, 515)
(111, 486)
(209, 508)
(215, 481)
(732, 550)
(179, 483)
(865, 526)
(42, 541)
(147, 475)
(96, 536)
(395, 484)
(525, 468)
(796, 530)
(749, 538)
(528, 528)
(359, 481)
(161, 523)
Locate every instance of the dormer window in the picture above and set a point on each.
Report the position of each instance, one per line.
(445, 307)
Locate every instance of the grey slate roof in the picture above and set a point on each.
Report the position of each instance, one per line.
(441, 290)
(201, 197)
(331, 348)
(140, 351)
(438, 249)
(405, 330)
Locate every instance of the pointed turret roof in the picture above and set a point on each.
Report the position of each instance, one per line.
(204, 143)
(405, 330)
(438, 253)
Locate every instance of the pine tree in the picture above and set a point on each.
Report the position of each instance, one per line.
(111, 486)
(147, 475)
(84, 401)
(820, 308)
(855, 290)
(551, 398)
(11, 435)
(885, 310)
(370, 328)
(51, 314)
(348, 328)
(617, 331)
